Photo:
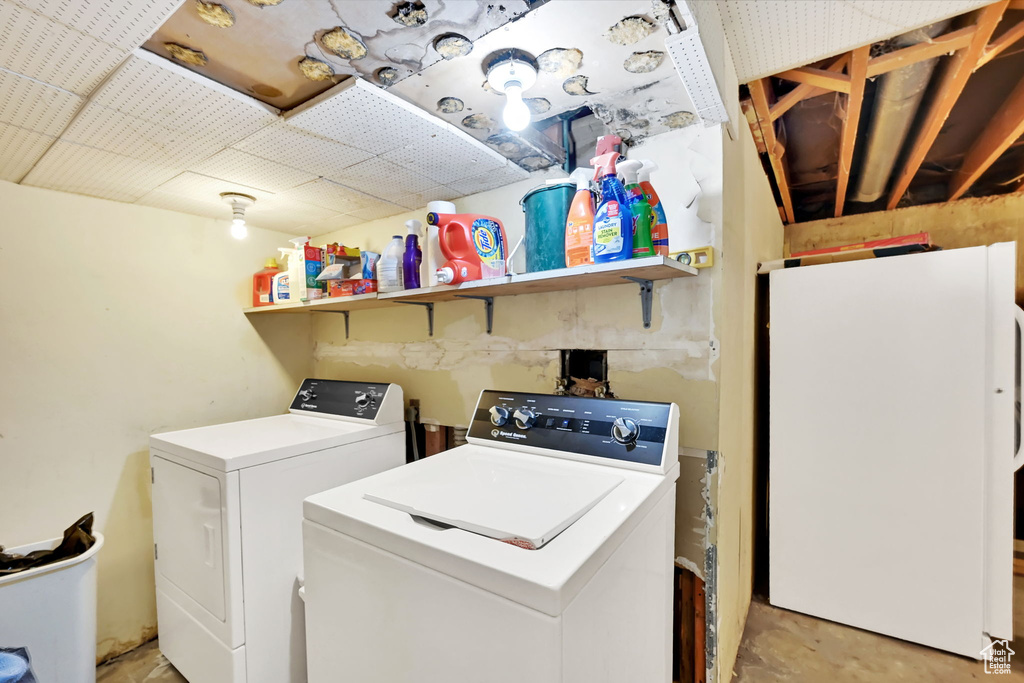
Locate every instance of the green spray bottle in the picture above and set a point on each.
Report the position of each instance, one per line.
(638, 206)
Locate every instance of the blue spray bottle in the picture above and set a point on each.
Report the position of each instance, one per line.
(613, 221)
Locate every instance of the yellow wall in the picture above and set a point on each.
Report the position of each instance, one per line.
(120, 321)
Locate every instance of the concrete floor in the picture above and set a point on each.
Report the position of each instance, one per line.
(778, 645)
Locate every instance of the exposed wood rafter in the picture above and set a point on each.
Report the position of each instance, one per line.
(820, 78)
(1016, 4)
(936, 47)
(951, 84)
(858, 77)
(996, 47)
(804, 90)
(759, 92)
(1002, 130)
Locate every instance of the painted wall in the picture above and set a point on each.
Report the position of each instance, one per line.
(673, 361)
(964, 223)
(118, 322)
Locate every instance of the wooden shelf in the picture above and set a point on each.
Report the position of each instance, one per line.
(329, 305)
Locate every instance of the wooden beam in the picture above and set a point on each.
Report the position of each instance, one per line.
(936, 47)
(821, 78)
(1002, 130)
(996, 47)
(858, 77)
(759, 90)
(1016, 4)
(951, 84)
(804, 91)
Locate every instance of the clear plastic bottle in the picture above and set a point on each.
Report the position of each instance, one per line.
(389, 267)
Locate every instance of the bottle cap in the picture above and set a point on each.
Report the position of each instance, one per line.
(270, 263)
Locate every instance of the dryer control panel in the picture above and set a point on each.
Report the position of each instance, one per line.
(335, 397)
(627, 431)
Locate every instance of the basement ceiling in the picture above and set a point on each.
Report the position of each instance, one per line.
(924, 117)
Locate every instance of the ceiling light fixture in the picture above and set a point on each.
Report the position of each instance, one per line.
(511, 76)
(239, 203)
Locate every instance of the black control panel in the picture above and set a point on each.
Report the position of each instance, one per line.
(334, 397)
(631, 431)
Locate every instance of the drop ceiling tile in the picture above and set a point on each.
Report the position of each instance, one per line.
(186, 204)
(380, 209)
(278, 213)
(241, 167)
(446, 157)
(207, 188)
(507, 175)
(86, 170)
(338, 222)
(382, 179)
(34, 105)
(38, 47)
(418, 200)
(302, 150)
(364, 116)
(19, 151)
(329, 195)
(123, 23)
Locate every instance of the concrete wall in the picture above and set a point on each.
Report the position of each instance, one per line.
(963, 223)
(120, 321)
(673, 361)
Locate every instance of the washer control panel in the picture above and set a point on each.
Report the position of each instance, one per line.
(335, 397)
(630, 431)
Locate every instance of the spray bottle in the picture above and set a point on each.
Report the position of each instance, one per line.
(579, 225)
(296, 269)
(659, 224)
(413, 257)
(613, 221)
(390, 276)
(640, 209)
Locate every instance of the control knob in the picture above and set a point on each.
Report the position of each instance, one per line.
(307, 395)
(362, 400)
(499, 416)
(525, 418)
(625, 430)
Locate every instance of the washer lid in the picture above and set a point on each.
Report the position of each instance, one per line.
(524, 502)
(234, 445)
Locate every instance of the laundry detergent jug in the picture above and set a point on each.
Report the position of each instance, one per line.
(473, 245)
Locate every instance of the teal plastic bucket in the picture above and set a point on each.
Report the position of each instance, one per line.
(546, 209)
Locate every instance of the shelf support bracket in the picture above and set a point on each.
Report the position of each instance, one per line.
(488, 307)
(430, 312)
(646, 297)
(346, 319)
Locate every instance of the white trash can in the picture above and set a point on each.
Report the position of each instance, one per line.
(50, 611)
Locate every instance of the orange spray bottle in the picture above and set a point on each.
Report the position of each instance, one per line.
(579, 225)
(473, 244)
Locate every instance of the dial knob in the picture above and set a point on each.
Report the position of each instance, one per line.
(499, 415)
(307, 395)
(524, 418)
(362, 400)
(625, 430)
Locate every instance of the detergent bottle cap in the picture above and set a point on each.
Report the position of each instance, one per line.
(397, 237)
(604, 165)
(647, 169)
(581, 176)
(414, 227)
(608, 143)
(270, 263)
(629, 170)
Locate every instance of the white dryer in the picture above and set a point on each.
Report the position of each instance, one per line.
(227, 516)
(540, 551)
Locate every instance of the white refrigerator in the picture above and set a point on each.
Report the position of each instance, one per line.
(892, 444)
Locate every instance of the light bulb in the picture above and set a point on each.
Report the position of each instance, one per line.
(238, 229)
(516, 114)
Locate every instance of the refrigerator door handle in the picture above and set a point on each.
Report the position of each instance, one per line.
(1018, 457)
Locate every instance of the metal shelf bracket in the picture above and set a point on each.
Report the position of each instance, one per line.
(345, 313)
(488, 307)
(646, 297)
(430, 312)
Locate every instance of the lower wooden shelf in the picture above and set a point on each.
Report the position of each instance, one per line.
(330, 305)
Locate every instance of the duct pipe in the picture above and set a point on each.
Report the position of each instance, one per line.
(897, 99)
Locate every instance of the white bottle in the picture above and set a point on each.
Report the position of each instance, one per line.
(389, 267)
(296, 268)
(280, 291)
(432, 256)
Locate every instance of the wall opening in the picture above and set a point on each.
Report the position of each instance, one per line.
(585, 373)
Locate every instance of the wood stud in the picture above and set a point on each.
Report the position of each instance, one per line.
(821, 78)
(759, 93)
(997, 46)
(936, 47)
(858, 78)
(1003, 129)
(804, 91)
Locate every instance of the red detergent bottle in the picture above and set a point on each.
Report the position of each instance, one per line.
(473, 245)
(263, 284)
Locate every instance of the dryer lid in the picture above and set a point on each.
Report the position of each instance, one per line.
(526, 503)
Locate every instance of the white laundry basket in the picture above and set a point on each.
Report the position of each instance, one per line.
(51, 612)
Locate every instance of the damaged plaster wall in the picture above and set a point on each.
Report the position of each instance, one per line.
(673, 361)
(88, 377)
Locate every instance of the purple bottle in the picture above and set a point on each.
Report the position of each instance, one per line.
(413, 256)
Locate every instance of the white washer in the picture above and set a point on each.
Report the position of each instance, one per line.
(227, 515)
(408, 580)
